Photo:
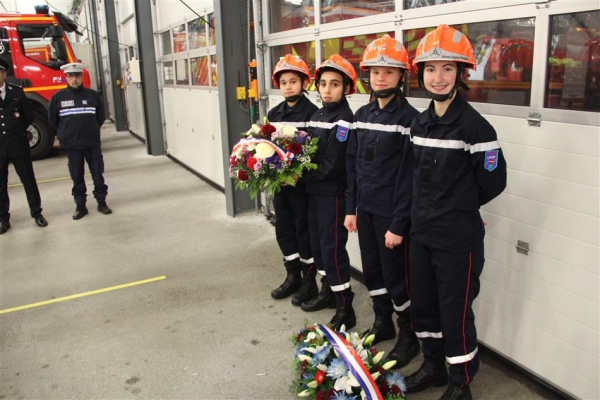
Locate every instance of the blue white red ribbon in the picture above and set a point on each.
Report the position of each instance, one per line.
(283, 155)
(353, 362)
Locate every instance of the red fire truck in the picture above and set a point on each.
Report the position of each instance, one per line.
(36, 46)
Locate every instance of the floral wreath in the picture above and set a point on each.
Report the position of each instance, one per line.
(342, 366)
(271, 156)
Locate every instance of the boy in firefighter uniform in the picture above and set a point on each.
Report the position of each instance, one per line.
(291, 203)
(77, 114)
(16, 116)
(335, 78)
(459, 167)
(379, 164)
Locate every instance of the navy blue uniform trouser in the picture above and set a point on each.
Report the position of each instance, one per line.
(328, 238)
(95, 162)
(291, 229)
(24, 168)
(385, 271)
(444, 286)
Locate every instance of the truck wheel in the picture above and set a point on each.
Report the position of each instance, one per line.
(41, 137)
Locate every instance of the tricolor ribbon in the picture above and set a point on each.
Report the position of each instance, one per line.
(353, 362)
(283, 155)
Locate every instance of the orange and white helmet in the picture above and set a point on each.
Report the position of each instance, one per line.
(445, 44)
(385, 52)
(290, 63)
(340, 64)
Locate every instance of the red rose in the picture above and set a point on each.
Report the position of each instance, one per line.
(320, 376)
(232, 161)
(303, 365)
(396, 390)
(383, 387)
(242, 175)
(373, 351)
(267, 129)
(295, 148)
(250, 162)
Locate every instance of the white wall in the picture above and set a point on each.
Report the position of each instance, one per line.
(194, 130)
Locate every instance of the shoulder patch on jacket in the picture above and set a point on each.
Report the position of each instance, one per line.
(491, 160)
(342, 133)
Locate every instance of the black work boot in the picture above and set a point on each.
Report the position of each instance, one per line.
(454, 392)
(383, 328)
(430, 373)
(344, 315)
(325, 299)
(308, 291)
(103, 208)
(406, 348)
(80, 212)
(292, 283)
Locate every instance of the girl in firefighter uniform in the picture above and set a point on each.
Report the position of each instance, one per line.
(335, 78)
(459, 167)
(291, 203)
(379, 165)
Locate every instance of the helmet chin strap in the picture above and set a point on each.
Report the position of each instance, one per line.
(293, 98)
(385, 93)
(441, 97)
(330, 104)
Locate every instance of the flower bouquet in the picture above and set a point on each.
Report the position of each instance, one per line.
(342, 366)
(271, 155)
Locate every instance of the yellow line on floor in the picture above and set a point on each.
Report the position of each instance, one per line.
(47, 180)
(75, 296)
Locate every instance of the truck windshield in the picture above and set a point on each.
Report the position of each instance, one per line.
(38, 45)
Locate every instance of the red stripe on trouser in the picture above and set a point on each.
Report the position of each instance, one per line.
(465, 316)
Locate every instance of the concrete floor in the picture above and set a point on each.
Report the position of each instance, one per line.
(208, 330)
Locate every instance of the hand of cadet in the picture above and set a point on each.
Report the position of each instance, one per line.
(295, 177)
(392, 240)
(350, 223)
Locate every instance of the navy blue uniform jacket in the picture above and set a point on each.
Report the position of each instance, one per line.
(15, 116)
(77, 115)
(332, 127)
(297, 116)
(459, 167)
(379, 163)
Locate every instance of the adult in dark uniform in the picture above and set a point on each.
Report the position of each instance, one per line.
(291, 204)
(459, 167)
(15, 116)
(379, 168)
(77, 113)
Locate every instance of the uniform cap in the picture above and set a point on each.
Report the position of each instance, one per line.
(445, 44)
(73, 68)
(290, 63)
(342, 65)
(385, 52)
(4, 65)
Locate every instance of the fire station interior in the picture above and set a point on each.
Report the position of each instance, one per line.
(169, 296)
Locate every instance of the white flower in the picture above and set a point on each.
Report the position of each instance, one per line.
(253, 130)
(303, 357)
(264, 150)
(310, 337)
(289, 131)
(322, 367)
(304, 393)
(389, 364)
(277, 126)
(346, 383)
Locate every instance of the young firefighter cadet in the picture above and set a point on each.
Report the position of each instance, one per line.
(291, 203)
(459, 167)
(379, 164)
(335, 78)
